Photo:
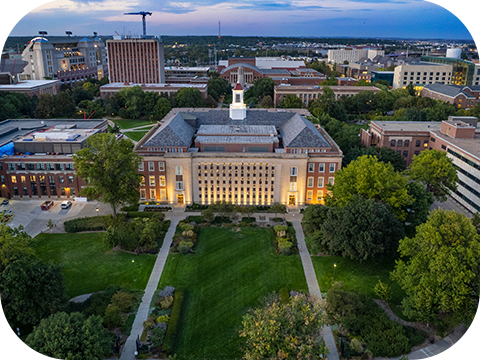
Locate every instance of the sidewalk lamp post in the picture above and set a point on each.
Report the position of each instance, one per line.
(334, 267)
(97, 210)
(134, 270)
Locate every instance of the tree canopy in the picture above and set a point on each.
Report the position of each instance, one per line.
(71, 337)
(384, 154)
(362, 230)
(109, 167)
(15, 244)
(440, 269)
(189, 97)
(283, 331)
(291, 101)
(435, 170)
(371, 179)
(31, 290)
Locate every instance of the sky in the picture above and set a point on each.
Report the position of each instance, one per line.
(324, 18)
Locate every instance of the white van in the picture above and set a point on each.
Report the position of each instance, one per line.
(66, 204)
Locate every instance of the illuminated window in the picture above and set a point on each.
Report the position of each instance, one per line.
(163, 194)
(320, 182)
(178, 170)
(152, 180)
(310, 182)
(309, 195)
(151, 166)
(293, 186)
(162, 180)
(161, 166)
(152, 194)
(14, 179)
(143, 194)
(319, 195)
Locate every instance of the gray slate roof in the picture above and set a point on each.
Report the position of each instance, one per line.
(175, 132)
(448, 90)
(295, 130)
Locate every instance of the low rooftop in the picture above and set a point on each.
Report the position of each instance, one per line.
(407, 125)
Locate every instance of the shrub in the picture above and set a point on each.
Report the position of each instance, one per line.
(130, 208)
(285, 251)
(149, 324)
(279, 228)
(188, 233)
(356, 345)
(141, 214)
(171, 334)
(186, 227)
(112, 317)
(382, 291)
(163, 319)
(284, 296)
(156, 337)
(184, 247)
(166, 302)
(94, 223)
(123, 300)
(167, 291)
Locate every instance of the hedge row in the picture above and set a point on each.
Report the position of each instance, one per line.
(94, 223)
(142, 214)
(173, 323)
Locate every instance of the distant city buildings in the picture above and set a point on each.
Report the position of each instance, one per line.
(67, 59)
(458, 136)
(352, 54)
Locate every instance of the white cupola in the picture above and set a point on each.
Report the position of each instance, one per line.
(238, 110)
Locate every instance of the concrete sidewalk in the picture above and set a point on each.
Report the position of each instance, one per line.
(142, 313)
(313, 288)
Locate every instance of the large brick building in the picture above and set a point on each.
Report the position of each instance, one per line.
(237, 155)
(37, 157)
(458, 136)
(465, 97)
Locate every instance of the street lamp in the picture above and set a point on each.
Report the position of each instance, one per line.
(97, 210)
(334, 267)
(134, 271)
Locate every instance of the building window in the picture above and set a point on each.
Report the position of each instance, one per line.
(311, 167)
(444, 147)
(163, 194)
(152, 180)
(161, 166)
(58, 167)
(405, 153)
(14, 179)
(143, 194)
(331, 180)
(68, 167)
(425, 143)
(293, 171)
(392, 142)
(140, 167)
(293, 186)
(406, 143)
(320, 195)
(399, 143)
(309, 195)
(332, 168)
(417, 143)
(152, 194)
(21, 166)
(432, 139)
(151, 166)
(320, 182)
(310, 182)
(162, 180)
(179, 185)
(178, 170)
(50, 167)
(321, 167)
(70, 179)
(142, 181)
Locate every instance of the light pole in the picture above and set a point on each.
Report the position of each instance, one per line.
(97, 210)
(134, 270)
(334, 267)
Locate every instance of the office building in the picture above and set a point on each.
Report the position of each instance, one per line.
(162, 89)
(459, 137)
(352, 54)
(30, 87)
(67, 59)
(37, 157)
(247, 157)
(420, 74)
(309, 93)
(136, 60)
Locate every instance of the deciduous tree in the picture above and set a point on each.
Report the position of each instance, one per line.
(109, 167)
(440, 270)
(189, 98)
(291, 102)
(435, 170)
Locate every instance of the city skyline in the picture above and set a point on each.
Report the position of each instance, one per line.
(348, 18)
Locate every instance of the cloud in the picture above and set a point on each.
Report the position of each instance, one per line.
(84, 6)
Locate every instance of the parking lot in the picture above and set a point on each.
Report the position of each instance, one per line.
(29, 214)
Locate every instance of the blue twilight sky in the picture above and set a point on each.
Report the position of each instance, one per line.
(354, 18)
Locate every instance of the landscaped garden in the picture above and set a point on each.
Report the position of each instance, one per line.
(229, 272)
(90, 265)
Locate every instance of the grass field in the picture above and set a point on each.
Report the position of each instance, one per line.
(358, 277)
(229, 273)
(135, 135)
(131, 123)
(89, 265)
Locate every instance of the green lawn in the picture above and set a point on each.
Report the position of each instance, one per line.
(229, 273)
(135, 135)
(358, 277)
(89, 265)
(131, 123)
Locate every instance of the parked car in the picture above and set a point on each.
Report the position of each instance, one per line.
(66, 204)
(46, 205)
(5, 202)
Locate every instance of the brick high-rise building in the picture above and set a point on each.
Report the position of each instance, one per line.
(136, 60)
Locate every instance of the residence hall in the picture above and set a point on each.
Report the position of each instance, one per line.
(37, 159)
(247, 157)
(458, 136)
